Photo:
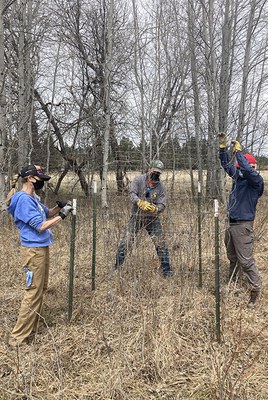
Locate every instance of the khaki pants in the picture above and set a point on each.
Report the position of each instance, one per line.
(36, 259)
(239, 246)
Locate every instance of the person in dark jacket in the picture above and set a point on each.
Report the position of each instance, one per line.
(148, 198)
(246, 190)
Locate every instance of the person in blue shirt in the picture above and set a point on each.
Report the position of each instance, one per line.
(246, 190)
(34, 221)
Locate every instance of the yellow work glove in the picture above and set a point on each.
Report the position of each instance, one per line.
(223, 140)
(142, 204)
(146, 206)
(152, 208)
(236, 146)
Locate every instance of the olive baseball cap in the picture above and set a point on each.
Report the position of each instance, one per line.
(157, 166)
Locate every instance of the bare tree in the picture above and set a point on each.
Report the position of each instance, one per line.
(25, 83)
(195, 86)
(107, 102)
(246, 66)
(2, 109)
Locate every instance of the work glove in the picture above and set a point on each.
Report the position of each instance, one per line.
(61, 203)
(29, 276)
(223, 140)
(146, 206)
(152, 209)
(236, 146)
(65, 211)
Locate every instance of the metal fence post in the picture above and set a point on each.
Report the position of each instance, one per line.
(94, 216)
(71, 271)
(200, 272)
(217, 271)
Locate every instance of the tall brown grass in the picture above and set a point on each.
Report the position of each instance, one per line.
(138, 336)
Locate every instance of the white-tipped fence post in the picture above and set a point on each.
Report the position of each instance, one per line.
(199, 203)
(71, 271)
(94, 217)
(217, 271)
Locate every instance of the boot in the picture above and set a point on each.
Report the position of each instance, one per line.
(254, 295)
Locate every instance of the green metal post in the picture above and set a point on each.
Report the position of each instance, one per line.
(200, 271)
(94, 216)
(71, 271)
(217, 271)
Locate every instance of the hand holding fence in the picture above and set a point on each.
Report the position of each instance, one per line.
(65, 211)
(236, 146)
(146, 206)
(223, 140)
(61, 203)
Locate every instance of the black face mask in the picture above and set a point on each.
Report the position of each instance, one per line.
(155, 177)
(38, 185)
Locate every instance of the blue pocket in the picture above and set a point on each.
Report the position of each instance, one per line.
(29, 276)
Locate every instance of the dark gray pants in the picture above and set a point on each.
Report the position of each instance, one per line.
(239, 246)
(154, 229)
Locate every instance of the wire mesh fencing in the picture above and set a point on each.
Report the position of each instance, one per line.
(136, 333)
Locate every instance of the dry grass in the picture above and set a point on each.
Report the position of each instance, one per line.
(138, 336)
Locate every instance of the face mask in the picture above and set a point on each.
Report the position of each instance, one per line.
(155, 177)
(38, 185)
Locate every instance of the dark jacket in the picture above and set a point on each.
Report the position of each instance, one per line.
(247, 187)
(155, 195)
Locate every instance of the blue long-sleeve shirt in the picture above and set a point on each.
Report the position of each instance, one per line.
(247, 187)
(29, 214)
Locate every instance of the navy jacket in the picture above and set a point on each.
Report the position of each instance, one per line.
(247, 187)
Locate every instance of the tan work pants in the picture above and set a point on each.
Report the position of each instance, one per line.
(36, 259)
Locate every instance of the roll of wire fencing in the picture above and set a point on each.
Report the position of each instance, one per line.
(189, 233)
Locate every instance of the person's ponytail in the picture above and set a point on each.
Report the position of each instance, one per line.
(14, 188)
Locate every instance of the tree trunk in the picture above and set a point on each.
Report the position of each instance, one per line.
(107, 105)
(225, 72)
(138, 70)
(118, 162)
(24, 100)
(2, 112)
(197, 117)
(246, 66)
(70, 158)
(213, 168)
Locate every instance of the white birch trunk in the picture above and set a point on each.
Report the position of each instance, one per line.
(138, 70)
(107, 106)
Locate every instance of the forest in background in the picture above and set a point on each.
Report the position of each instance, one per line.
(94, 86)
